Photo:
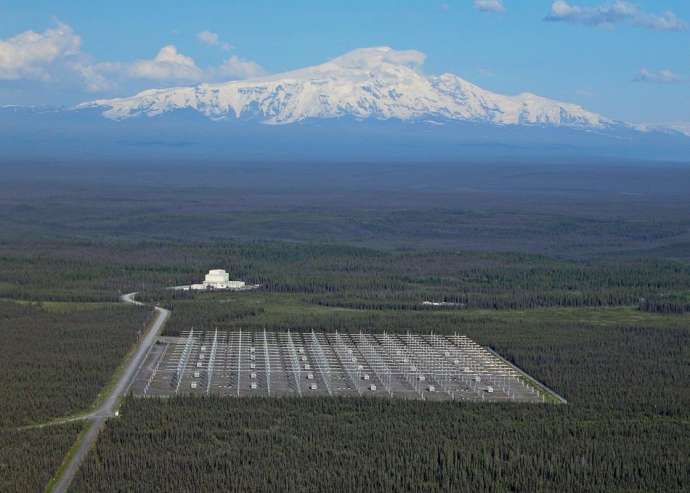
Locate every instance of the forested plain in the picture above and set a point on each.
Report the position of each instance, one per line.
(55, 360)
(587, 291)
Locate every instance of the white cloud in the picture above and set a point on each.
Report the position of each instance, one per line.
(209, 38)
(490, 5)
(667, 21)
(32, 55)
(661, 77)
(55, 56)
(212, 39)
(411, 58)
(609, 14)
(168, 65)
(237, 68)
(171, 66)
(486, 72)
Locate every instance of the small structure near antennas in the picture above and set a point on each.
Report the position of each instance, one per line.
(440, 303)
(218, 279)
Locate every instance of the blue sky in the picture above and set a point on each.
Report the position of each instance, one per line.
(626, 59)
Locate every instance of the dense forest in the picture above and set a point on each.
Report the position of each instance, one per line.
(58, 358)
(557, 208)
(55, 359)
(372, 445)
(30, 457)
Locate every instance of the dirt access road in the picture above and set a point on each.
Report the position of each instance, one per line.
(109, 407)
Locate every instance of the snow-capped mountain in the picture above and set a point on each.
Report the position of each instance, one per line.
(370, 83)
(355, 107)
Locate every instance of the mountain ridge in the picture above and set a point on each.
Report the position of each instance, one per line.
(370, 83)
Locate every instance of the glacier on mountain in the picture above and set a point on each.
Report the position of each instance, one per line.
(369, 83)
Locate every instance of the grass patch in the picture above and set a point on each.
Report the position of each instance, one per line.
(266, 310)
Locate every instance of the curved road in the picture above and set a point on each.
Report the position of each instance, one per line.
(109, 406)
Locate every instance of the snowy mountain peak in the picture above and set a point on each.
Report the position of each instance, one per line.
(367, 83)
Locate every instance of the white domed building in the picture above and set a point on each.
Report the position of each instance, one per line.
(218, 279)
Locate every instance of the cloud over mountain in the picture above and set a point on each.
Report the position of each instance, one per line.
(168, 64)
(235, 68)
(171, 66)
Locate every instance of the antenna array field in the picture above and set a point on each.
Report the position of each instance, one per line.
(292, 363)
